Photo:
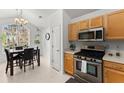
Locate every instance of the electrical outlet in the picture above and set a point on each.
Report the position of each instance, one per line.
(110, 54)
(118, 54)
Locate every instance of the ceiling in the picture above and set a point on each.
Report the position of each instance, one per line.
(33, 14)
(73, 13)
(8, 13)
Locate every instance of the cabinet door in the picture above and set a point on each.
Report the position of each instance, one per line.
(115, 25)
(96, 22)
(113, 76)
(68, 63)
(69, 32)
(73, 32)
(84, 24)
(69, 66)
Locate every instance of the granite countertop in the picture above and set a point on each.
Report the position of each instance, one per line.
(70, 51)
(114, 59)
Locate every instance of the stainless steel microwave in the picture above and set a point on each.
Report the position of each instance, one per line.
(95, 34)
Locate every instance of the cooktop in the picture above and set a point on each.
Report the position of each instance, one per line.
(91, 54)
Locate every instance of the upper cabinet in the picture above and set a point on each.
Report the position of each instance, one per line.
(115, 25)
(73, 31)
(96, 22)
(84, 25)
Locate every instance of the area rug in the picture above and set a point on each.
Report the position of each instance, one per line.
(72, 80)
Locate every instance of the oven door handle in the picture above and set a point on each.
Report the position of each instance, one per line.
(93, 63)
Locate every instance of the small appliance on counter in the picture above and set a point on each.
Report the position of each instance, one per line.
(88, 64)
(72, 47)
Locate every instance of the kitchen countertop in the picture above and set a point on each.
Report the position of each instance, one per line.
(114, 59)
(70, 51)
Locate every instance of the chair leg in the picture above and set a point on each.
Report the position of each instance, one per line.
(7, 67)
(32, 64)
(20, 64)
(24, 66)
(16, 62)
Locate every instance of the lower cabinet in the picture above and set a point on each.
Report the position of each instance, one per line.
(68, 63)
(113, 72)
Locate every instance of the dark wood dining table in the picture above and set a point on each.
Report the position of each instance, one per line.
(15, 52)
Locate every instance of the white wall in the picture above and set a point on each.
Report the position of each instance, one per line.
(66, 21)
(46, 45)
(56, 19)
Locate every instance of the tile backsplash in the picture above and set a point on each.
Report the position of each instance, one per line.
(111, 46)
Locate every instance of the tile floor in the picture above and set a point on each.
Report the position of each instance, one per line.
(42, 74)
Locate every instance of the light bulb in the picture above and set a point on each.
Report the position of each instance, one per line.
(22, 19)
(16, 20)
(26, 21)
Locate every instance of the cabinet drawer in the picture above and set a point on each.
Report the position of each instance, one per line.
(68, 55)
(113, 65)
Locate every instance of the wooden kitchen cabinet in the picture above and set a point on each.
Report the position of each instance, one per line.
(96, 22)
(113, 72)
(115, 25)
(84, 24)
(68, 63)
(73, 31)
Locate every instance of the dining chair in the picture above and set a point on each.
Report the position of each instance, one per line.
(35, 54)
(16, 58)
(28, 58)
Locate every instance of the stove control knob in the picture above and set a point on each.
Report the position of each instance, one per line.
(91, 59)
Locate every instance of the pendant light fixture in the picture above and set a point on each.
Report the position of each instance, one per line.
(19, 20)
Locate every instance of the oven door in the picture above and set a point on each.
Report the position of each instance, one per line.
(78, 64)
(94, 71)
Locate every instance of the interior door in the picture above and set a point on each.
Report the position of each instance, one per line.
(56, 42)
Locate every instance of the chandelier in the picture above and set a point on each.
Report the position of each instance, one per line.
(19, 20)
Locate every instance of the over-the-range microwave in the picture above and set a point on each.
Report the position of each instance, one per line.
(95, 34)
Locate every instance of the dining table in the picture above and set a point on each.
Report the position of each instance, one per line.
(16, 52)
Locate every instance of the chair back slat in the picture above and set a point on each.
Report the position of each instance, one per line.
(28, 53)
(7, 55)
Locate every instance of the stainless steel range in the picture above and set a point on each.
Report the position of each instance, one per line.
(88, 65)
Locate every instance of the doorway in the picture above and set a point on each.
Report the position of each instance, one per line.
(56, 48)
